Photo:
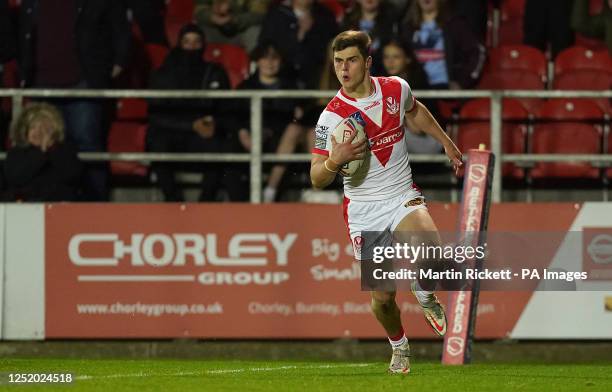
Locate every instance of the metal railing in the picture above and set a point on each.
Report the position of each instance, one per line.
(256, 157)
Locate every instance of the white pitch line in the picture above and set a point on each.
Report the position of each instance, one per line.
(226, 371)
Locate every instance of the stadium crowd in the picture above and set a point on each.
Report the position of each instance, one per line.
(273, 44)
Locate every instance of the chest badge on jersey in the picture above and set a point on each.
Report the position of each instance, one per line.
(359, 118)
(392, 106)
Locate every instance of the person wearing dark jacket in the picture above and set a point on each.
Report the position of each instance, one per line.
(399, 61)
(189, 125)
(380, 20)
(597, 26)
(450, 53)
(301, 29)
(40, 166)
(75, 44)
(547, 23)
(7, 44)
(281, 134)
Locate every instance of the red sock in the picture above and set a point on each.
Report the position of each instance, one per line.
(398, 337)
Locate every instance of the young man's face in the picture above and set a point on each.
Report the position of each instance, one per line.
(350, 67)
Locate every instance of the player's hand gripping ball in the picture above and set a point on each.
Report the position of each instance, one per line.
(342, 133)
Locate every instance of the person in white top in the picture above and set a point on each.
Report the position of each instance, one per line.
(380, 197)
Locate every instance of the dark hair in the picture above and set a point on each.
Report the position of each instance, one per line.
(414, 16)
(263, 49)
(349, 38)
(191, 28)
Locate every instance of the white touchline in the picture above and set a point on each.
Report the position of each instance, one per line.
(136, 278)
(226, 371)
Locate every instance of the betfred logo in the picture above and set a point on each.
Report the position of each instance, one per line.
(160, 249)
(477, 172)
(459, 314)
(597, 252)
(455, 346)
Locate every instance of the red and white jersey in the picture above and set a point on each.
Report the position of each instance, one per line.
(382, 115)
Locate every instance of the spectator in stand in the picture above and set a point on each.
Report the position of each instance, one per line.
(401, 6)
(190, 125)
(446, 47)
(40, 166)
(399, 61)
(7, 53)
(280, 132)
(475, 14)
(380, 20)
(75, 44)
(7, 44)
(547, 22)
(149, 16)
(301, 29)
(235, 22)
(327, 82)
(597, 26)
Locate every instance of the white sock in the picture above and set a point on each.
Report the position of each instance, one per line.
(398, 343)
(423, 296)
(269, 194)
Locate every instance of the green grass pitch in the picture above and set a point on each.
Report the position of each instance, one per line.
(205, 375)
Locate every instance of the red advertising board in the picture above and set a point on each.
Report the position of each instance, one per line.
(233, 271)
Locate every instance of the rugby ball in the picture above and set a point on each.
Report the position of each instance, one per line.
(342, 133)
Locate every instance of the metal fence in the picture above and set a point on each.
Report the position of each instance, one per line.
(256, 157)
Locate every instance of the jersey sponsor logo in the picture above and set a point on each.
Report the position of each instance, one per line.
(392, 106)
(321, 136)
(357, 116)
(387, 140)
(372, 106)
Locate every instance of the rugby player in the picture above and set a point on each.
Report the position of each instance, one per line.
(382, 198)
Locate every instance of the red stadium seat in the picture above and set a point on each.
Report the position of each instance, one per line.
(567, 126)
(511, 23)
(131, 109)
(595, 7)
(514, 80)
(336, 7)
(475, 128)
(518, 57)
(10, 79)
(579, 68)
(581, 58)
(10, 76)
(587, 80)
(233, 58)
(173, 26)
(156, 54)
(180, 10)
(178, 13)
(127, 136)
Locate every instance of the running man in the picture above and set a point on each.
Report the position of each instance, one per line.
(384, 198)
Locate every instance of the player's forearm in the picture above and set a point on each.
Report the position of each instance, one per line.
(321, 175)
(428, 124)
